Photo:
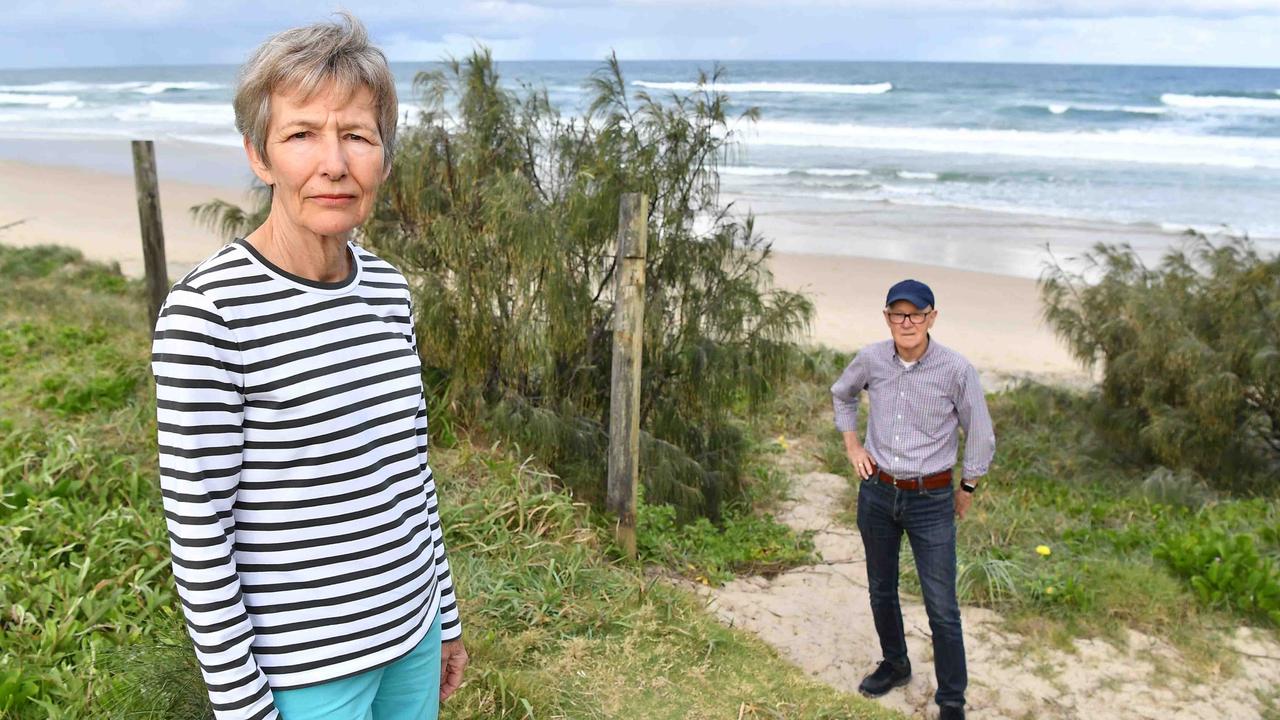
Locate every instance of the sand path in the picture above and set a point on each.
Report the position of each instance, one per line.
(818, 617)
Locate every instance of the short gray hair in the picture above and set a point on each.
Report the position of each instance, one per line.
(304, 60)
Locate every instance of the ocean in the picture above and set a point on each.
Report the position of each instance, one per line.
(1168, 148)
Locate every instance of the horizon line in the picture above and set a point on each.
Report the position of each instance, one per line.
(723, 62)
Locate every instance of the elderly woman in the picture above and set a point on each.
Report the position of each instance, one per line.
(305, 535)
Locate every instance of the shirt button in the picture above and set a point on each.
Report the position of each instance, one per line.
(902, 394)
(899, 417)
(895, 458)
(897, 437)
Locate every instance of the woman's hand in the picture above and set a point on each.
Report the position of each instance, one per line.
(453, 660)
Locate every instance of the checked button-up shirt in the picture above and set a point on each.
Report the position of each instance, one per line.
(916, 411)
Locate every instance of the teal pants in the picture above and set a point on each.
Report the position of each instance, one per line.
(407, 689)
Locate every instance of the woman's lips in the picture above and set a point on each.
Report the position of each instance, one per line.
(333, 200)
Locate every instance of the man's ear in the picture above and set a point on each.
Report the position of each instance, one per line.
(258, 163)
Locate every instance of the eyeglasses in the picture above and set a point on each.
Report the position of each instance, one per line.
(900, 318)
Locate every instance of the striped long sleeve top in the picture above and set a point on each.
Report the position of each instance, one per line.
(302, 513)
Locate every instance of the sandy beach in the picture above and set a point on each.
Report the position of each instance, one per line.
(96, 212)
(994, 319)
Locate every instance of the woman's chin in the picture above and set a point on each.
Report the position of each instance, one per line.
(333, 227)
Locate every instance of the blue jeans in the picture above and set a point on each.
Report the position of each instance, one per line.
(928, 517)
(407, 689)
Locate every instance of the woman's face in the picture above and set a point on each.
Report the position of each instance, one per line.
(326, 160)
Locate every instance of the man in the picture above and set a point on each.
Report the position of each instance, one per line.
(921, 393)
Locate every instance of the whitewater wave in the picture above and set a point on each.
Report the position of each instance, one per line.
(1062, 108)
(838, 172)
(797, 88)
(1213, 102)
(53, 102)
(1156, 148)
(191, 113)
(157, 88)
(911, 175)
(755, 171)
(220, 139)
(143, 87)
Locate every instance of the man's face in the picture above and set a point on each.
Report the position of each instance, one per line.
(909, 324)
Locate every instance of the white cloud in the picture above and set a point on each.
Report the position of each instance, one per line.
(404, 48)
(1002, 8)
(1188, 32)
(1249, 41)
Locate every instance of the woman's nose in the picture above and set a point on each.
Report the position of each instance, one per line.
(333, 162)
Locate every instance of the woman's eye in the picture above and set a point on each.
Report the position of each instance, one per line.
(354, 136)
(298, 135)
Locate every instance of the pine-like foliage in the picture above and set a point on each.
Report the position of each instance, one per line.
(1190, 351)
(503, 215)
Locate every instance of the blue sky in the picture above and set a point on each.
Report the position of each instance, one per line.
(59, 33)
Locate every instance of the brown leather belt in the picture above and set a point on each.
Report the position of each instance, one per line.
(936, 481)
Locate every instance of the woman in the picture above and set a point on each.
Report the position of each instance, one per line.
(305, 535)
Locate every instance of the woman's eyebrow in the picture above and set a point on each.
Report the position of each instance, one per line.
(309, 124)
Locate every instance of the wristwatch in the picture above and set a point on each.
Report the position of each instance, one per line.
(967, 486)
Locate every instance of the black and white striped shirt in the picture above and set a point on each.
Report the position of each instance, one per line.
(302, 513)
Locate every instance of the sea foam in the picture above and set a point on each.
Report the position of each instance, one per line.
(799, 88)
(53, 102)
(1214, 102)
(193, 113)
(143, 87)
(1133, 146)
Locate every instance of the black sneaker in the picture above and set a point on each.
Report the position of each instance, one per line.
(950, 712)
(886, 677)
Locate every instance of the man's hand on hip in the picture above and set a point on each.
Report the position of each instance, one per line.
(862, 462)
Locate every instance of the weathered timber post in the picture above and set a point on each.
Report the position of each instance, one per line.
(628, 337)
(148, 189)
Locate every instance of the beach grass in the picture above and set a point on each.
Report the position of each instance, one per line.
(89, 618)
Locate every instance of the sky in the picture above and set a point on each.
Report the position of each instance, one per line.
(67, 33)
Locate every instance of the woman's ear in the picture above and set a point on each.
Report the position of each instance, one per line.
(258, 163)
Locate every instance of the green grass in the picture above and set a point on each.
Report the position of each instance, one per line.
(556, 627)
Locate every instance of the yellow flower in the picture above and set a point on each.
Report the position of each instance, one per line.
(1043, 550)
(1048, 590)
(782, 441)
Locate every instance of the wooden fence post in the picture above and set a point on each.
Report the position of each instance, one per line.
(148, 189)
(628, 337)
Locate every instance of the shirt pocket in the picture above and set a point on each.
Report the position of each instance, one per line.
(937, 417)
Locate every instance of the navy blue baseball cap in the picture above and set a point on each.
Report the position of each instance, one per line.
(913, 291)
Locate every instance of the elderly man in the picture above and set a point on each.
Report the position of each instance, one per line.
(921, 393)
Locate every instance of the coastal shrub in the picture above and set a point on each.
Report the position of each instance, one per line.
(1166, 487)
(1190, 353)
(44, 260)
(1227, 570)
(745, 544)
(503, 214)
